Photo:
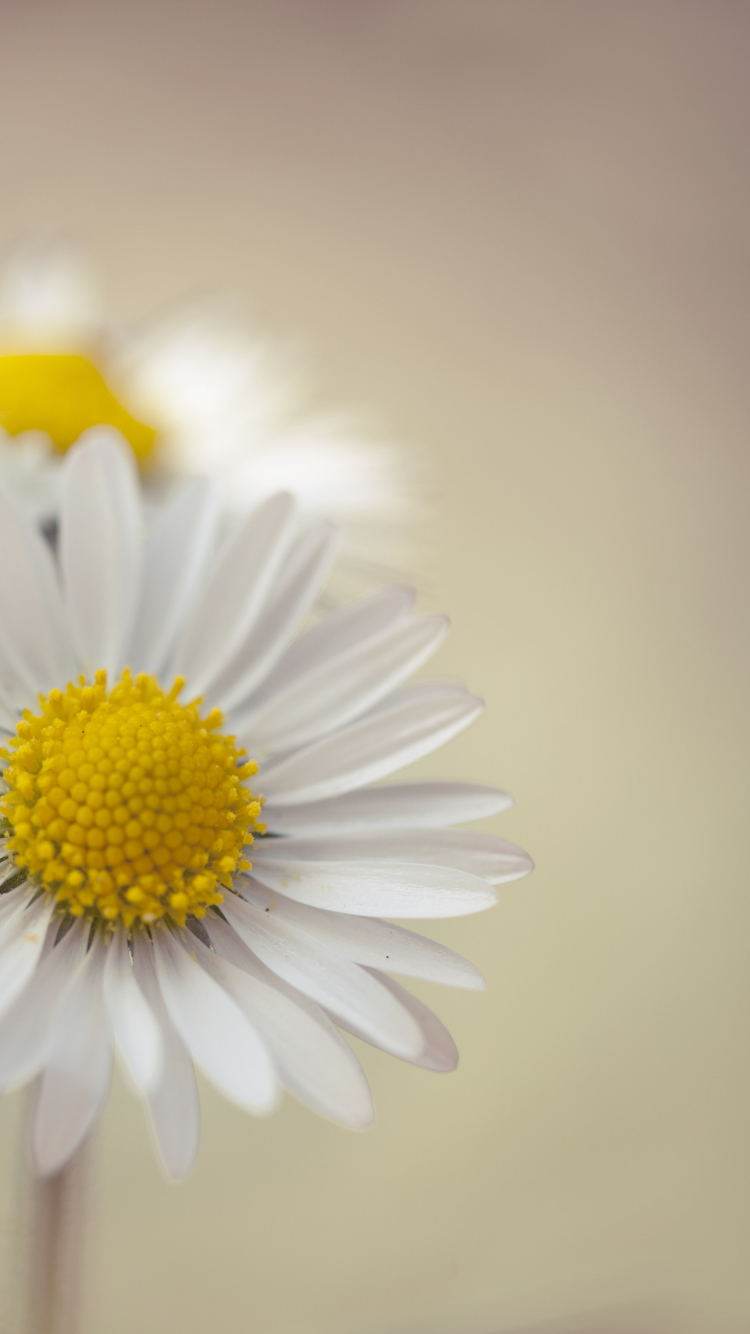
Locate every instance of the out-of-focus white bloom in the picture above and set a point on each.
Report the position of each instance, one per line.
(130, 918)
(198, 392)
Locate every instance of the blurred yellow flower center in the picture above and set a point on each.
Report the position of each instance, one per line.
(127, 804)
(63, 395)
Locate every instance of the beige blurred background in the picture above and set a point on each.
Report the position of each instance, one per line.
(518, 234)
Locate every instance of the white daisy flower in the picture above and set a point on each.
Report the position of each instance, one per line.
(145, 906)
(197, 393)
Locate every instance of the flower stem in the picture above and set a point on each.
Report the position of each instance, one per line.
(57, 1235)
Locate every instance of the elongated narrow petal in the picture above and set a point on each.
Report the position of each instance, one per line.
(314, 1062)
(438, 1051)
(430, 805)
(76, 1074)
(338, 691)
(300, 581)
(9, 714)
(21, 941)
(100, 547)
(25, 1026)
(367, 940)
(136, 1031)
(35, 640)
(342, 987)
(173, 1107)
(413, 723)
(176, 556)
(358, 620)
(485, 855)
(213, 1028)
(234, 592)
(395, 889)
(13, 899)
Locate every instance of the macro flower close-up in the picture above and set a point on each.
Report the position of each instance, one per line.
(197, 849)
(325, 330)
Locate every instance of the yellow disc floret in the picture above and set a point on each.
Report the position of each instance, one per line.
(127, 804)
(63, 395)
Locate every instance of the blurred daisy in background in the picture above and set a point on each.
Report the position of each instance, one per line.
(197, 848)
(196, 393)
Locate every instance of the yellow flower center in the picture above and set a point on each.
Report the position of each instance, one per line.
(127, 804)
(63, 395)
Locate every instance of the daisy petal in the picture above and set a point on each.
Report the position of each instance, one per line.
(210, 378)
(299, 583)
(135, 1029)
(344, 687)
(361, 484)
(100, 547)
(342, 987)
(173, 1106)
(9, 714)
(213, 1028)
(412, 723)
(314, 1062)
(24, 1027)
(427, 805)
(22, 936)
(48, 299)
(35, 640)
(177, 552)
(235, 591)
(367, 940)
(368, 889)
(11, 901)
(485, 855)
(360, 619)
(75, 1077)
(438, 1051)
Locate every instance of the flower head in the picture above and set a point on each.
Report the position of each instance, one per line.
(197, 853)
(197, 392)
(127, 803)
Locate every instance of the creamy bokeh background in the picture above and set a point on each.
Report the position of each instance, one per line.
(518, 233)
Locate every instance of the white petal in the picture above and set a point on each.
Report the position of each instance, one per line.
(174, 1110)
(344, 687)
(367, 940)
(314, 1062)
(369, 889)
(135, 1029)
(412, 723)
(25, 1025)
(9, 714)
(22, 936)
(235, 592)
(75, 1077)
(100, 547)
(177, 552)
(484, 855)
(48, 299)
(438, 1051)
(298, 585)
(13, 898)
(214, 1029)
(335, 471)
(342, 987)
(337, 632)
(35, 640)
(200, 369)
(427, 805)
(30, 466)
